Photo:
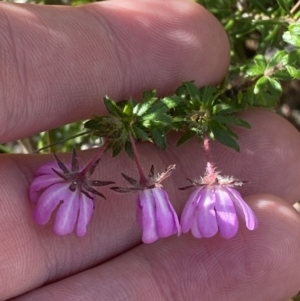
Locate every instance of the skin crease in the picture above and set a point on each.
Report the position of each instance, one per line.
(110, 263)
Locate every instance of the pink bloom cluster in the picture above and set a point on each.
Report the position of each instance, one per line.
(213, 207)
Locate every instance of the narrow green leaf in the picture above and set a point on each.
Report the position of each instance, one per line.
(224, 109)
(284, 4)
(185, 137)
(140, 134)
(112, 107)
(128, 149)
(231, 120)
(116, 151)
(159, 138)
(128, 108)
(172, 101)
(224, 137)
(92, 124)
(208, 95)
(149, 99)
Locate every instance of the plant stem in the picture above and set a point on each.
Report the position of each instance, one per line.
(95, 158)
(143, 178)
(209, 166)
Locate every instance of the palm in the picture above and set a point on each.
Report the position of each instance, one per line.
(110, 263)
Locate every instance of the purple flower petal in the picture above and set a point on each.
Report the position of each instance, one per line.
(148, 210)
(86, 208)
(40, 183)
(48, 201)
(139, 211)
(187, 216)
(243, 209)
(166, 218)
(226, 214)
(206, 217)
(194, 226)
(67, 214)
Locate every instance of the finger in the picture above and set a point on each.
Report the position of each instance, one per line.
(259, 265)
(57, 63)
(45, 257)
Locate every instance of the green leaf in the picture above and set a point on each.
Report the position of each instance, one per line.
(208, 95)
(171, 101)
(224, 137)
(284, 4)
(258, 68)
(294, 72)
(261, 84)
(128, 108)
(128, 149)
(280, 57)
(112, 107)
(231, 120)
(149, 99)
(159, 138)
(274, 86)
(224, 109)
(294, 29)
(291, 39)
(140, 134)
(92, 124)
(185, 137)
(116, 151)
(294, 57)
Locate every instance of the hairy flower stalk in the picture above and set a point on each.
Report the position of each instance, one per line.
(215, 205)
(70, 189)
(155, 214)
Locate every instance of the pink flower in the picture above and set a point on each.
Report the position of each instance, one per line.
(216, 208)
(70, 190)
(155, 215)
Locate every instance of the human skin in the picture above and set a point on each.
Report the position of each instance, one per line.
(56, 65)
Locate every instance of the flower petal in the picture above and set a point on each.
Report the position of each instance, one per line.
(139, 212)
(226, 214)
(42, 182)
(243, 209)
(86, 208)
(206, 217)
(167, 222)
(47, 168)
(67, 214)
(187, 216)
(148, 216)
(194, 226)
(48, 201)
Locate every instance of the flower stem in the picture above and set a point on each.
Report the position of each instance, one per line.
(95, 158)
(143, 178)
(209, 166)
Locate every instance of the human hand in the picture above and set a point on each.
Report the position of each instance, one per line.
(56, 65)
